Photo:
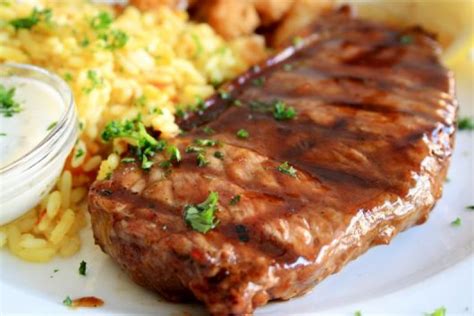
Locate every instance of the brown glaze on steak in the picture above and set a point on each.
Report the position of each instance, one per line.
(371, 144)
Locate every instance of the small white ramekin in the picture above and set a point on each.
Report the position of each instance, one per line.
(25, 181)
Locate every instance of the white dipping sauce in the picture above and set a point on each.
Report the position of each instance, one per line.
(41, 106)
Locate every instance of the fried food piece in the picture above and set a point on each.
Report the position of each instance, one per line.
(230, 18)
(271, 11)
(251, 48)
(152, 4)
(302, 14)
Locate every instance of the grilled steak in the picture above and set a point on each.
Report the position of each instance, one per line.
(366, 153)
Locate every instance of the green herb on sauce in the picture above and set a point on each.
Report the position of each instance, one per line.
(201, 217)
(8, 105)
(174, 153)
(67, 301)
(466, 123)
(201, 160)
(205, 142)
(242, 133)
(144, 145)
(208, 130)
(224, 95)
(128, 160)
(193, 149)
(52, 125)
(34, 18)
(406, 39)
(286, 168)
(297, 41)
(219, 155)
(82, 267)
(102, 21)
(456, 222)
(282, 112)
(441, 311)
(258, 82)
(235, 199)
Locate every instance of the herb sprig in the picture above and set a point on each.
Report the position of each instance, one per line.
(8, 105)
(201, 217)
(34, 18)
(144, 146)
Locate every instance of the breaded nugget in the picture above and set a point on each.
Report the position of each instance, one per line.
(230, 18)
(301, 15)
(152, 4)
(270, 11)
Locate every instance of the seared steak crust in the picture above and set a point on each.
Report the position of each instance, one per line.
(371, 144)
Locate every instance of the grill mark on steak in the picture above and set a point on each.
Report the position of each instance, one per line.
(371, 144)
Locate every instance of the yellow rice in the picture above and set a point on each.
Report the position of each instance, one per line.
(167, 62)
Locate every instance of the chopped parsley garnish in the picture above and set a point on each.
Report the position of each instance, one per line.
(198, 48)
(242, 133)
(219, 155)
(297, 41)
(114, 39)
(67, 301)
(194, 149)
(205, 142)
(140, 101)
(201, 160)
(34, 18)
(406, 39)
(278, 108)
(68, 76)
(8, 106)
(466, 123)
(128, 160)
(357, 313)
(456, 222)
(102, 21)
(165, 164)
(79, 153)
(282, 112)
(174, 153)
(438, 312)
(470, 207)
(258, 82)
(84, 42)
(3, 134)
(95, 81)
(201, 216)
(51, 126)
(143, 145)
(235, 199)
(82, 268)
(286, 168)
(224, 95)
(208, 130)
(55, 270)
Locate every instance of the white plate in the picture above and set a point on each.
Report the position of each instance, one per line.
(400, 274)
